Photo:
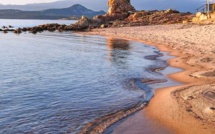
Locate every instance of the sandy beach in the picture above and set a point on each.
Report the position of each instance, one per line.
(189, 108)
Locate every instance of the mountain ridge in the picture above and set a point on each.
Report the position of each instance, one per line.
(74, 12)
(56, 4)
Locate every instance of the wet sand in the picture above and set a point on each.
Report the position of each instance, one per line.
(189, 108)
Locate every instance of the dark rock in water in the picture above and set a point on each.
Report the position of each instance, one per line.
(17, 31)
(24, 29)
(33, 31)
(61, 28)
(37, 29)
(41, 28)
(51, 29)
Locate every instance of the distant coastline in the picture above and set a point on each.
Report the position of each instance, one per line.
(71, 13)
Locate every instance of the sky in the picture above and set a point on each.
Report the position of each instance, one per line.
(23, 2)
(181, 5)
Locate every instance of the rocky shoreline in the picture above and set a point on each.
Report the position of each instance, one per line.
(137, 18)
(120, 14)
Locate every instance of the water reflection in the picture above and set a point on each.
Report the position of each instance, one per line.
(118, 51)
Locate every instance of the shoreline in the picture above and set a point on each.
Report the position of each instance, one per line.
(171, 113)
(104, 123)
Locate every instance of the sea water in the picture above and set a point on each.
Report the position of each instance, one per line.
(55, 82)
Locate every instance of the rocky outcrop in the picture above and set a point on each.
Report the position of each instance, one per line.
(120, 14)
(119, 7)
(158, 17)
(118, 10)
(204, 18)
(199, 17)
(82, 24)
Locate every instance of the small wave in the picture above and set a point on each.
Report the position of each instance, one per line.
(100, 125)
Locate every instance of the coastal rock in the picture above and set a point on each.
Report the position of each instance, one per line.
(198, 14)
(119, 6)
(107, 18)
(203, 17)
(17, 31)
(155, 17)
(171, 11)
(103, 26)
(120, 14)
(195, 19)
(84, 22)
(209, 110)
(212, 16)
(118, 10)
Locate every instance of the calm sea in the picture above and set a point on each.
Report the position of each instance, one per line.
(55, 82)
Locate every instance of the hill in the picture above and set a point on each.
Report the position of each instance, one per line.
(57, 5)
(75, 11)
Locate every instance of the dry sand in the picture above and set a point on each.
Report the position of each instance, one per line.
(190, 108)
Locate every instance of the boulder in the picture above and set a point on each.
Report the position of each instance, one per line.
(84, 22)
(203, 17)
(137, 15)
(185, 21)
(171, 11)
(17, 31)
(198, 14)
(212, 15)
(195, 19)
(100, 19)
(103, 26)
